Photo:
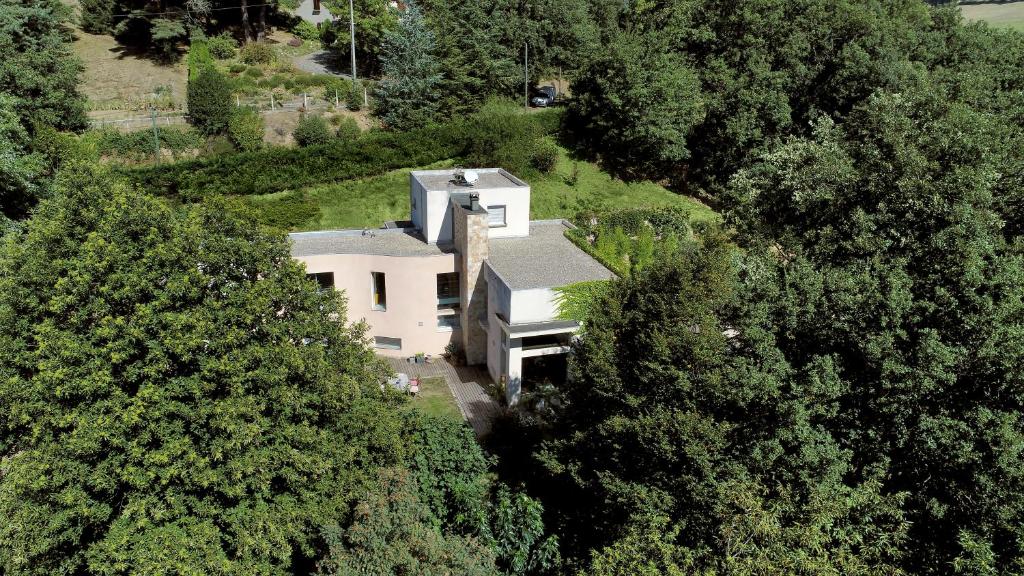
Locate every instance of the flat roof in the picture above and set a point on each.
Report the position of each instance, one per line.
(375, 242)
(544, 259)
(438, 180)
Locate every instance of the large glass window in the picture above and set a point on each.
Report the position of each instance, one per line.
(496, 216)
(323, 279)
(448, 322)
(379, 292)
(448, 290)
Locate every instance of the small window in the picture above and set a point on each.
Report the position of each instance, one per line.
(323, 279)
(387, 343)
(379, 291)
(496, 216)
(448, 290)
(448, 322)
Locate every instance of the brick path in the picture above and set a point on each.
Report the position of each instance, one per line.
(466, 384)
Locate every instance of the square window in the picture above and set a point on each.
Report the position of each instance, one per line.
(325, 280)
(448, 322)
(379, 292)
(387, 343)
(496, 216)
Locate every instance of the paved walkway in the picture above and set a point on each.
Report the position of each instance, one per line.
(466, 384)
(324, 62)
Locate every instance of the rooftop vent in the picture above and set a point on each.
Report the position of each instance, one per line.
(474, 201)
(465, 177)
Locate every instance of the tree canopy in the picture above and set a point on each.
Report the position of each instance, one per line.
(178, 397)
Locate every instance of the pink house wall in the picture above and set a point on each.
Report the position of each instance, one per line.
(411, 296)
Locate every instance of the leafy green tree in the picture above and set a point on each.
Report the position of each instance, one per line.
(637, 104)
(178, 397)
(375, 20)
(393, 533)
(209, 101)
(450, 469)
(517, 535)
(39, 70)
(676, 399)
(408, 96)
(891, 225)
(20, 168)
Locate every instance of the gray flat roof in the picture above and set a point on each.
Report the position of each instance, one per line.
(376, 242)
(544, 259)
(489, 178)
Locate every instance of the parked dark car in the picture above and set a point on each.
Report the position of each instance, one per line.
(544, 97)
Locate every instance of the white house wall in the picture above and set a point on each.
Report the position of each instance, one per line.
(537, 305)
(411, 292)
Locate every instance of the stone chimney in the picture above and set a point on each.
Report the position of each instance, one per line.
(470, 233)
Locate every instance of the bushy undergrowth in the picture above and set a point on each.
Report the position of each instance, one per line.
(277, 169)
(627, 240)
(138, 145)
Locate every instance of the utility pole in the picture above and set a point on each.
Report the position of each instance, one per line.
(156, 134)
(526, 72)
(352, 36)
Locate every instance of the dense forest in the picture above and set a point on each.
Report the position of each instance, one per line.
(830, 382)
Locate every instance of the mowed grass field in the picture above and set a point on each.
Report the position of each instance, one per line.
(1003, 15)
(368, 203)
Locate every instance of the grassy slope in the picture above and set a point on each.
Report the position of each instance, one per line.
(369, 202)
(1001, 15)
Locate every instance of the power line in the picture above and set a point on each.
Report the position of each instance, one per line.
(148, 14)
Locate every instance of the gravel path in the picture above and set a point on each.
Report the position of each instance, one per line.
(323, 62)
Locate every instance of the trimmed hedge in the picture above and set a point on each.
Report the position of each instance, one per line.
(138, 145)
(199, 58)
(277, 169)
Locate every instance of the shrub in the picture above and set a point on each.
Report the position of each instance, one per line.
(354, 98)
(312, 131)
(246, 173)
(237, 67)
(256, 53)
(198, 58)
(307, 31)
(246, 129)
(219, 146)
(544, 156)
(348, 128)
(209, 101)
(253, 72)
(96, 16)
(139, 145)
(286, 212)
(222, 46)
(500, 136)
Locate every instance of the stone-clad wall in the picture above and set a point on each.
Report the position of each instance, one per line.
(471, 243)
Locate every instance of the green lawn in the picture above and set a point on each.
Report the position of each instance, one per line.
(1000, 15)
(594, 189)
(435, 398)
(369, 202)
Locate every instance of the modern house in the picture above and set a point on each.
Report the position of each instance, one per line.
(468, 268)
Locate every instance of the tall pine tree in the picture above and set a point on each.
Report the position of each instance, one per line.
(409, 94)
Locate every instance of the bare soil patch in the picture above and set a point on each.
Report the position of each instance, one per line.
(117, 79)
